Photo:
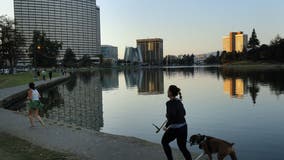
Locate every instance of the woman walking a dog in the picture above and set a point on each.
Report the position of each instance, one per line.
(176, 127)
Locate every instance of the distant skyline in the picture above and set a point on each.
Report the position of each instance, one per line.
(186, 26)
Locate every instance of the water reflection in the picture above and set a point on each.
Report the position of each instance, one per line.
(184, 72)
(149, 82)
(238, 82)
(79, 101)
(132, 77)
(72, 82)
(109, 79)
(235, 87)
(207, 94)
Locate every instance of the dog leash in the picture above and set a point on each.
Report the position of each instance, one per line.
(201, 155)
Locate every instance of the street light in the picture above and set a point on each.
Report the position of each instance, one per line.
(35, 62)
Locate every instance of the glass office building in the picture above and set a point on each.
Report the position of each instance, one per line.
(75, 23)
(133, 55)
(109, 52)
(151, 50)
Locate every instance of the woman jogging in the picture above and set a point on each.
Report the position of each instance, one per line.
(34, 105)
(176, 127)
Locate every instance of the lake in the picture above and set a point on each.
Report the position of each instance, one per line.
(237, 105)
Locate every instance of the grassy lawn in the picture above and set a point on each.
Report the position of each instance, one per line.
(12, 148)
(7, 81)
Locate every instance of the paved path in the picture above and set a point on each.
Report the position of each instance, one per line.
(7, 92)
(87, 144)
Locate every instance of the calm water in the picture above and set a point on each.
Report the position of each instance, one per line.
(239, 106)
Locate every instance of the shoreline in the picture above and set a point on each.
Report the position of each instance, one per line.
(253, 67)
(65, 138)
(12, 95)
(80, 142)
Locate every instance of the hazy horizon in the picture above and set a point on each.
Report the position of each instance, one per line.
(187, 26)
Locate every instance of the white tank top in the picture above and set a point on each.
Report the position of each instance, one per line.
(35, 95)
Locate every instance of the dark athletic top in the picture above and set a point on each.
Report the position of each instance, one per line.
(175, 112)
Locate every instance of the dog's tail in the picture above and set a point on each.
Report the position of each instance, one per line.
(233, 155)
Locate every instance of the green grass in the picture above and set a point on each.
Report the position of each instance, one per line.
(7, 81)
(12, 148)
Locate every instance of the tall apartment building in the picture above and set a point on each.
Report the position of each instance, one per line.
(235, 42)
(151, 50)
(75, 23)
(98, 29)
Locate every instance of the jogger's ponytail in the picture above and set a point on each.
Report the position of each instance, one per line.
(180, 96)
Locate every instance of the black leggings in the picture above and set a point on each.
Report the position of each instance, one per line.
(181, 135)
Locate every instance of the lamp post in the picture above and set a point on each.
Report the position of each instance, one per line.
(35, 62)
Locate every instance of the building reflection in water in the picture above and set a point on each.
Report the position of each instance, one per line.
(148, 82)
(235, 87)
(132, 78)
(151, 82)
(184, 72)
(109, 79)
(80, 104)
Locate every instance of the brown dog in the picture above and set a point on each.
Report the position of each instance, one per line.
(212, 145)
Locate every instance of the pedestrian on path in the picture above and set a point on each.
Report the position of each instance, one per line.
(176, 127)
(50, 74)
(34, 105)
(43, 73)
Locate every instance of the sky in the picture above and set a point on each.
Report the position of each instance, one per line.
(186, 26)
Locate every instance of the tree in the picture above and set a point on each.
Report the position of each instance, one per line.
(1, 62)
(85, 61)
(69, 59)
(276, 40)
(253, 41)
(101, 57)
(211, 60)
(11, 42)
(44, 51)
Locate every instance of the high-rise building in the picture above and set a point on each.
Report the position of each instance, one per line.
(98, 20)
(133, 55)
(151, 50)
(241, 42)
(235, 42)
(109, 52)
(75, 23)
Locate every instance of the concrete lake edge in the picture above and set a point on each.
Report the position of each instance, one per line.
(61, 137)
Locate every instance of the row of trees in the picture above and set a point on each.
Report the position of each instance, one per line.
(179, 60)
(274, 52)
(11, 42)
(70, 60)
(43, 51)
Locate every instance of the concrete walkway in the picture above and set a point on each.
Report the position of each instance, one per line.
(7, 94)
(86, 144)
